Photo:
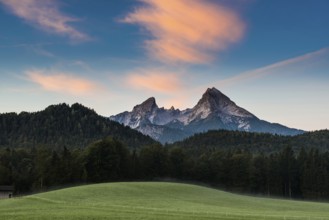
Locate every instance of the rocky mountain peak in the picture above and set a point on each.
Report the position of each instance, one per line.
(147, 106)
(213, 93)
(213, 90)
(213, 100)
(213, 111)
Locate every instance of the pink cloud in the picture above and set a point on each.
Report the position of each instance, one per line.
(62, 82)
(154, 80)
(45, 15)
(187, 30)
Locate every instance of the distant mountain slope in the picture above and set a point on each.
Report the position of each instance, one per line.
(63, 125)
(213, 111)
(253, 142)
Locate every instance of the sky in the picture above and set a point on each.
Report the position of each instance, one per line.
(270, 57)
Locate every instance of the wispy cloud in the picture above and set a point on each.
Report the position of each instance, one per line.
(62, 82)
(45, 15)
(41, 51)
(187, 31)
(272, 68)
(154, 80)
(37, 48)
(83, 65)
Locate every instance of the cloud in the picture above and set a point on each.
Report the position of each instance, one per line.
(83, 65)
(62, 82)
(42, 52)
(37, 48)
(155, 81)
(270, 69)
(46, 16)
(188, 31)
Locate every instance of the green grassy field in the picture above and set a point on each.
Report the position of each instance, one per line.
(154, 200)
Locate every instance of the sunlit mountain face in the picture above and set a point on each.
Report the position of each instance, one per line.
(213, 111)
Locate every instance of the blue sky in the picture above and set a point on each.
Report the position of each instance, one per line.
(270, 57)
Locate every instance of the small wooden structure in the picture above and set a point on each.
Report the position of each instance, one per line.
(6, 192)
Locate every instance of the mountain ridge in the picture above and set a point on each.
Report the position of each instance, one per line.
(213, 111)
(63, 125)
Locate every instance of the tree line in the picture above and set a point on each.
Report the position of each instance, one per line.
(302, 175)
(254, 142)
(61, 125)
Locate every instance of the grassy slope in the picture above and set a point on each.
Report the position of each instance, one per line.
(154, 201)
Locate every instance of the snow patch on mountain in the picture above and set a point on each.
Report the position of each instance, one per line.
(213, 111)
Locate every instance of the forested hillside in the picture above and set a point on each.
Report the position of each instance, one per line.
(65, 145)
(302, 175)
(253, 142)
(61, 126)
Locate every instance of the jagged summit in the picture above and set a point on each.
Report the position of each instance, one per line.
(215, 102)
(213, 111)
(213, 99)
(214, 92)
(147, 105)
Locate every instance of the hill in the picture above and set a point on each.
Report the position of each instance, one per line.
(63, 125)
(213, 111)
(154, 200)
(254, 142)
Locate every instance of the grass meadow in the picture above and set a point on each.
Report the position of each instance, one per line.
(155, 200)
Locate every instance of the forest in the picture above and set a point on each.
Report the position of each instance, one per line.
(71, 145)
(301, 175)
(60, 125)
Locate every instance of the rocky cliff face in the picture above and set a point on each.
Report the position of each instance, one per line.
(213, 111)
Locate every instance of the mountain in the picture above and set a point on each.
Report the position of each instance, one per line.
(213, 111)
(63, 125)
